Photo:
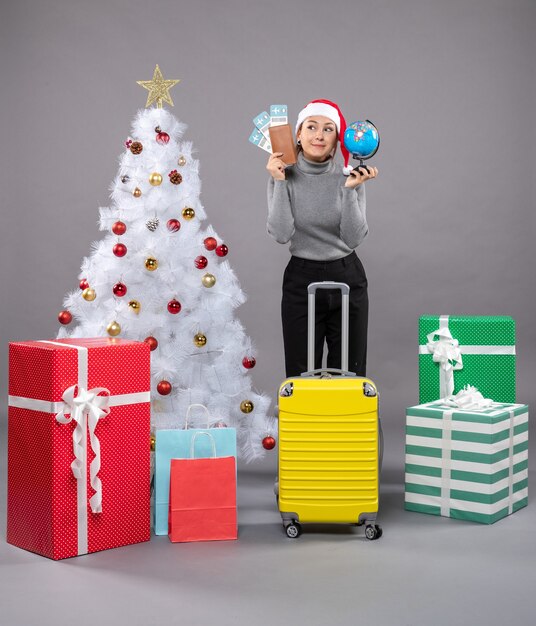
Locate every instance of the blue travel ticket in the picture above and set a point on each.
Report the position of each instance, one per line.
(278, 114)
(259, 140)
(262, 122)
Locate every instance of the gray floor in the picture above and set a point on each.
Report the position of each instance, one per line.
(423, 571)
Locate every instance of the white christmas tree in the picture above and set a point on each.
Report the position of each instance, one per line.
(159, 276)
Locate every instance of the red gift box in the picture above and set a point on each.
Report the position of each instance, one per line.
(78, 445)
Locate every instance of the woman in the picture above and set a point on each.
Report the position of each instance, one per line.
(321, 211)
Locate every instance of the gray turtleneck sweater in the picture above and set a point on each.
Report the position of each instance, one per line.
(322, 219)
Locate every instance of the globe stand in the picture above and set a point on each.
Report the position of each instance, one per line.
(361, 164)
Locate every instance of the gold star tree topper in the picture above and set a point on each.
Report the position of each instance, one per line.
(158, 89)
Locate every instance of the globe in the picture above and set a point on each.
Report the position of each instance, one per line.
(362, 139)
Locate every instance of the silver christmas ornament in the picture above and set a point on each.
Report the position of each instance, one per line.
(152, 224)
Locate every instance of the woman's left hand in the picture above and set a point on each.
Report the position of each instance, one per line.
(360, 175)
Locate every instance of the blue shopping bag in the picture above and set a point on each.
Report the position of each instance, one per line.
(175, 444)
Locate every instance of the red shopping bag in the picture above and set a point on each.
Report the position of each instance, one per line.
(202, 497)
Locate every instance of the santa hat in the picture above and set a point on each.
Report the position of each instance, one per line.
(331, 110)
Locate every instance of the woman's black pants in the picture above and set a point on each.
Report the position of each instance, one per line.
(299, 273)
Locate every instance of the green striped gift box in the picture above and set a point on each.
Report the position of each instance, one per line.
(487, 348)
(470, 465)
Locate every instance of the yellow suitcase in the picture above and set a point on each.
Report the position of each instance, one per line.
(329, 441)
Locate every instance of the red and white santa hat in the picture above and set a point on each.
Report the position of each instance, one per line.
(331, 110)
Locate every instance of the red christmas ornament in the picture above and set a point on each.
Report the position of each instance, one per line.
(119, 289)
(173, 225)
(162, 138)
(153, 343)
(128, 143)
(249, 362)
(174, 306)
(164, 388)
(201, 262)
(222, 250)
(83, 284)
(65, 317)
(210, 243)
(119, 249)
(119, 228)
(268, 443)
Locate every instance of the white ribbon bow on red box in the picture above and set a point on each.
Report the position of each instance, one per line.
(86, 407)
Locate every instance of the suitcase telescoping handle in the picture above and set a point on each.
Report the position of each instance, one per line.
(311, 296)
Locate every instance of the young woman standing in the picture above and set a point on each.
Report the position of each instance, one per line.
(321, 210)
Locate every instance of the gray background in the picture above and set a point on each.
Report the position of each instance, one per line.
(451, 86)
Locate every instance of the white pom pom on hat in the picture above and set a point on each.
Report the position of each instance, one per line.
(330, 110)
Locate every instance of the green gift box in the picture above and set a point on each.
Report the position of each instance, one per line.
(455, 351)
(467, 464)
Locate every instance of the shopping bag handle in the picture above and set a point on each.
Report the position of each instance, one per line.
(202, 406)
(198, 434)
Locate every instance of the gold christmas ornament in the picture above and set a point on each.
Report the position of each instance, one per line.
(151, 264)
(155, 179)
(181, 161)
(200, 340)
(188, 213)
(137, 192)
(89, 294)
(208, 280)
(246, 406)
(153, 442)
(135, 306)
(158, 89)
(113, 329)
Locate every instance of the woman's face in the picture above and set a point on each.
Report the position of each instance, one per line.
(318, 136)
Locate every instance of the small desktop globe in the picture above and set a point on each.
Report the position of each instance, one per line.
(362, 139)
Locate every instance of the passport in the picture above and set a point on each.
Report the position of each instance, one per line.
(282, 140)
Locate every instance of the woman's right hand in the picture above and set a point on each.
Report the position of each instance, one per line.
(276, 166)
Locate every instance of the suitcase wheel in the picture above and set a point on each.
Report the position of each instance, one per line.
(293, 530)
(373, 532)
